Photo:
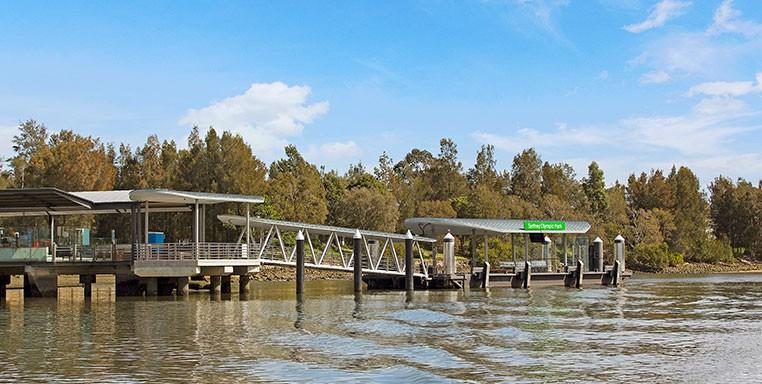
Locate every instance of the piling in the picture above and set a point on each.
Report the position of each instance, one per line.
(152, 286)
(580, 274)
(244, 283)
(597, 255)
(527, 274)
(485, 276)
(215, 284)
(299, 263)
(357, 256)
(409, 283)
(616, 274)
(183, 286)
(225, 284)
(448, 247)
(4, 280)
(87, 282)
(619, 251)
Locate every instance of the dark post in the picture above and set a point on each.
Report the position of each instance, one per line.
(597, 254)
(580, 274)
(409, 261)
(299, 263)
(527, 274)
(357, 257)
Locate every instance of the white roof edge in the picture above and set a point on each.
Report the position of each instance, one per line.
(468, 226)
(172, 196)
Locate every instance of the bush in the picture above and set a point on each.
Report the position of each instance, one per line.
(712, 250)
(653, 257)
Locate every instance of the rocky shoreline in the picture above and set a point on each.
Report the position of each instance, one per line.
(703, 268)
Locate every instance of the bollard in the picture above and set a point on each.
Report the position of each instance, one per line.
(619, 251)
(448, 247)
(580, 274)
(597, 256)
(616, 274)
(527, 274)
(485, 277)
(357, 259)
(546, 252)
(299, 263)
(409, 284)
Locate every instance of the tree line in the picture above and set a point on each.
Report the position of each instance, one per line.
(666, 217)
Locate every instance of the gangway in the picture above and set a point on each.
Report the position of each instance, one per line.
(325, 246)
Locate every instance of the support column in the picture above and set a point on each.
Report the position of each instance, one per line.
(513, 251)
(215, 284)
(87, 283)
(526, 247)
(486, 249)
(566, 260)
(145, 229)
(40, 283)
(52, 226)
(195, 230)
(472, 240)
(248, 229)
(409, 283)
(597, 256)
(299, 263)
(357, 259)
(619, 252)
(183, 286)
(527, 275)
(433, 258)
(244, 283)
(225, 285)
(152, 286)
(4, 280)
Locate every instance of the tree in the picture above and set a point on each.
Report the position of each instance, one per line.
(690, 214)
(484, 172)
(368, 208)
(594, 186)
(29, 145)
(526, 176)
(446, 177)
(295, 189)
(435, 208)
(335, 191)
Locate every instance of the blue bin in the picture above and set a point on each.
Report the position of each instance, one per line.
(155, 237)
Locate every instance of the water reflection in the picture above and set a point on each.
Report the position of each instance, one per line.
(699, 329)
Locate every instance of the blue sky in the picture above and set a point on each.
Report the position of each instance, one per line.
(632, 84)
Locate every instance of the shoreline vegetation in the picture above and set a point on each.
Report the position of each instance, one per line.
(671, 222)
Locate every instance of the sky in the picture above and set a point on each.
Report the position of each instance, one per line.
(631, 84)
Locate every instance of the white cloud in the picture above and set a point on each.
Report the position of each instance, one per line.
(332, 151)
(662, 12)
(726, 20)
(266, 115)
(719, 105)
(727, 88)
(528, 137)
(604, 75)
(655, 77)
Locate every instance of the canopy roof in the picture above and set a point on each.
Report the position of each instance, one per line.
(430, 226)
(257, 222)
(53, 201)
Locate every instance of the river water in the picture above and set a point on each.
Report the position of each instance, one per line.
(703, 329)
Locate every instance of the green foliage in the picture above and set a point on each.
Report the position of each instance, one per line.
(653, 257)
(661, 217)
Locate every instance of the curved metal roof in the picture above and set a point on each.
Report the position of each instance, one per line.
(258, 222)
(431, 226)
(183, 197)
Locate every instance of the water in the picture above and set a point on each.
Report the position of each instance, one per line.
(656, 329)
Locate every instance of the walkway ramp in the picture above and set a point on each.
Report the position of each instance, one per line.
(329, 247)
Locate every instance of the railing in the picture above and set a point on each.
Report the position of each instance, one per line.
(92, 253)
(191, 251)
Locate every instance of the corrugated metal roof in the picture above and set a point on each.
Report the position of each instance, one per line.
(183, 197)
(105, 197)
(258, 222)
(430, 226)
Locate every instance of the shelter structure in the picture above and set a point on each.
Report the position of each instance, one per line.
(142, 255)
(547, 234)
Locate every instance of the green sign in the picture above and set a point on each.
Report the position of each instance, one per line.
(544, 226)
